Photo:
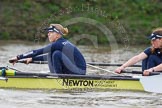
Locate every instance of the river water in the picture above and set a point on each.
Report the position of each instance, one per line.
(13, 98)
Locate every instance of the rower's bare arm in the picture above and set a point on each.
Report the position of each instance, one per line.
(157, 68)
(135, 59)
(131, 61)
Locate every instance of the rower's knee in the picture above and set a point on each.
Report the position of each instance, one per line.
(56, 54)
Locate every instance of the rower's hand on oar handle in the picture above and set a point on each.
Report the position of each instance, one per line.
(28, 60)
(147, 72)
(13, 60)
(119, 69)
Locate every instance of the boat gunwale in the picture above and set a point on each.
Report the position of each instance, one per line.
(86, 77)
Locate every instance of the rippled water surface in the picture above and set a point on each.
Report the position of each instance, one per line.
(12, 98)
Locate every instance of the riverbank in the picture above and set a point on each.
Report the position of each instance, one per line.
(133, 20)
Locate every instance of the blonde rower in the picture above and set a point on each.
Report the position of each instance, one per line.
(63, 57)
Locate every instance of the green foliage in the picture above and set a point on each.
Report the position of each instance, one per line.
(53, 7)
(26, 5)
(133, 19)
(4, 35)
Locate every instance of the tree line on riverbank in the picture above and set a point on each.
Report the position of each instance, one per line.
(128, 21)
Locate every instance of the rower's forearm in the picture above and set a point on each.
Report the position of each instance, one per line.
(131, 61)
(158, 68)
(40, 58)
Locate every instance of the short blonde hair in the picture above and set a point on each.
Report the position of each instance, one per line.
(158, 31)
(61, 28)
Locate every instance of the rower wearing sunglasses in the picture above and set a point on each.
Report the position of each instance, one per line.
(151, 57)
(63, 57)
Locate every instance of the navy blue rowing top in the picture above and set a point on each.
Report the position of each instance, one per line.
(62, 45)
(148, 52)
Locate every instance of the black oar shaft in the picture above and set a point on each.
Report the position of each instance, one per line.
(34, 62)
(132, 72)
(91, 63)
(140, 72)
(17, 73)
(29, 74)
(109, 64)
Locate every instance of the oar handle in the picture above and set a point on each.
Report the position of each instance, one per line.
(140, 72)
